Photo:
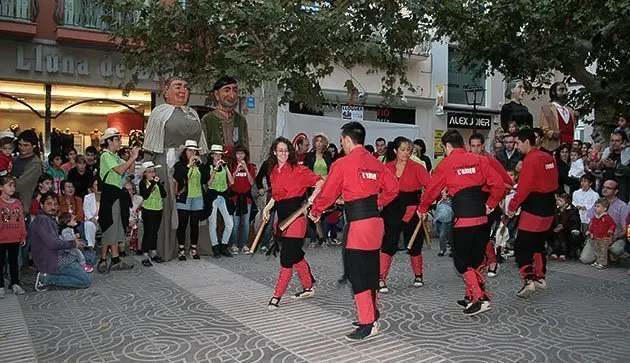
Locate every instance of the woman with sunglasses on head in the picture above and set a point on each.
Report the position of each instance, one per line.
(290, 182)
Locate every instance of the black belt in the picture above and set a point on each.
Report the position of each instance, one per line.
(363, 208)
(394, 212)
(540, 204)
(286, 207)
(470, 202)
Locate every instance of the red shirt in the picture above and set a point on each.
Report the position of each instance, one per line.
(413, 177)
(539, 174)
(602, 227)
(461, 170)
(359, 175)
(12, 227)
(241, 182)
(290, 182)
(6, 162)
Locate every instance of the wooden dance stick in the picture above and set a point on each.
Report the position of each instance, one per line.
(425, 226)
(414, 235)
(258, 235)
(295, 215)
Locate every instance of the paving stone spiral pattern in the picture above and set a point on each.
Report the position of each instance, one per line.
(214, 311)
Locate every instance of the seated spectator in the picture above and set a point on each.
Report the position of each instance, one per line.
(618, 211)
(91, 205)
(614, 163)
(600, 233)
(80, 177)
(509, 156)
(57, 267)
(566, 228)
(584, 199)
(70, 203)
(69, 232)
(44, 185)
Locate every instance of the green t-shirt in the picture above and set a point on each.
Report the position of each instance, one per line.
(220, 181)
(320, 168)
(110, 160)
(194, 183)
(154, 201)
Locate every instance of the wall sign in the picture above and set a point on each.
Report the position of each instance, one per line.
(352, 113)
(463, 120)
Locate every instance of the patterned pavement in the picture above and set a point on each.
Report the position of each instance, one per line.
(214, 311)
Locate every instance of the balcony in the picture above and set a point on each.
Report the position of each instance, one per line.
(18, 17)
(82, 21)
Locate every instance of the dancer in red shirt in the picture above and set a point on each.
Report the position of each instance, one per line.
(289, 182)
(476, 147)
(399, 215)
(468, 179)
(535, 194)
(365, 185)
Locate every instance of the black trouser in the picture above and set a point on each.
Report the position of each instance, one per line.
(469, 246)
(151, 220)
(392, 236)
(12, 249)
(525, 246)
(184, 216)
(362, 269)
(291, 251)
(566, 243)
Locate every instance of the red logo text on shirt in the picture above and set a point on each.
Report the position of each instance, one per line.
(549, 166)
(466, 171)
(368, 174)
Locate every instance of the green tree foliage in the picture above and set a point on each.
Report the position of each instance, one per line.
(588, 41)
(293, 43)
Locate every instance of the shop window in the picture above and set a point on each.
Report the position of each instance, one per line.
(461, 78)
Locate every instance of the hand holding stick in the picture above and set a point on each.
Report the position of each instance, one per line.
(295, 215)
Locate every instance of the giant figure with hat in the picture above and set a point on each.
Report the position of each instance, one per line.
(225, 126)
(168, 128)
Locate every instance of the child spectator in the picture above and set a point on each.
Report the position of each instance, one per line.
(584, 199)
(443, 220)
(153, 192)
(577, 165)
(135, 219)
(12, 233)
(512, 128)
(600, 233)
(44, 185)
(55, 170)
(68, 232)
(80, 176)
(71, 156)
(7, 143)
(566, 226)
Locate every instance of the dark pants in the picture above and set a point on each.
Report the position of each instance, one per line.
(184, 216)
(567, 244)
(526, 245)
(12, 249)
(362, 269)
(291, 251)
(469, 246)
(392, 236)
(151, 220)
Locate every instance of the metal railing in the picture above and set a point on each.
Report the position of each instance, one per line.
(87, 14)
(19, 9)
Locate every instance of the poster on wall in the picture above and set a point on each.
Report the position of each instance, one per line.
(352, 113)
(438, 150)
(439, 100)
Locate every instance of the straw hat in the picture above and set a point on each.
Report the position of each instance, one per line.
(146, 166)
(191, 144)
(8, 134)
(109, 133)
(217, 149)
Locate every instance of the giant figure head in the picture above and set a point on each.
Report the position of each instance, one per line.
(559, 92)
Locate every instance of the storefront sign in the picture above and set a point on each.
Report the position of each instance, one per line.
(463, 120)
(251, 102)
(352, 113)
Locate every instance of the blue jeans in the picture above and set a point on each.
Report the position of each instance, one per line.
(70, 275)
(237, 222)
(219, 206)
(444, 231)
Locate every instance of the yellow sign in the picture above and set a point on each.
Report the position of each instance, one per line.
(438, 150)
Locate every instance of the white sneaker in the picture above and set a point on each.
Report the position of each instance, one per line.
(304, 294)
(234, 250)
(540, 284)
(312, 245)
(495, 272)
(17, 289)
(527, 290)
(382, 287)
(246, 250)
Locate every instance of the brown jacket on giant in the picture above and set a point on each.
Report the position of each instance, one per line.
(549, 124)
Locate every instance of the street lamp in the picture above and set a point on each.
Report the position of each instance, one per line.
(474, 97)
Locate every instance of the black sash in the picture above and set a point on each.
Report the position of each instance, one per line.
(540, 204)
(363, 208)
(109, 196)
(470, 203)
(286, 207)
(394, 212)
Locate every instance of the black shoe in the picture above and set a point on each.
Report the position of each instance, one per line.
(441, 253)
(181, 255)
(476, 308)
(194, 254)
(418, 281)
(273, 303)
(102, 267)
(224, 251)
(464, 302)
(121, 265)
(304, 294)
(342, 280)
(216, 251)
(147, 262)
(122, 253)
(450, 254)
(157, 259)
(363, 332)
